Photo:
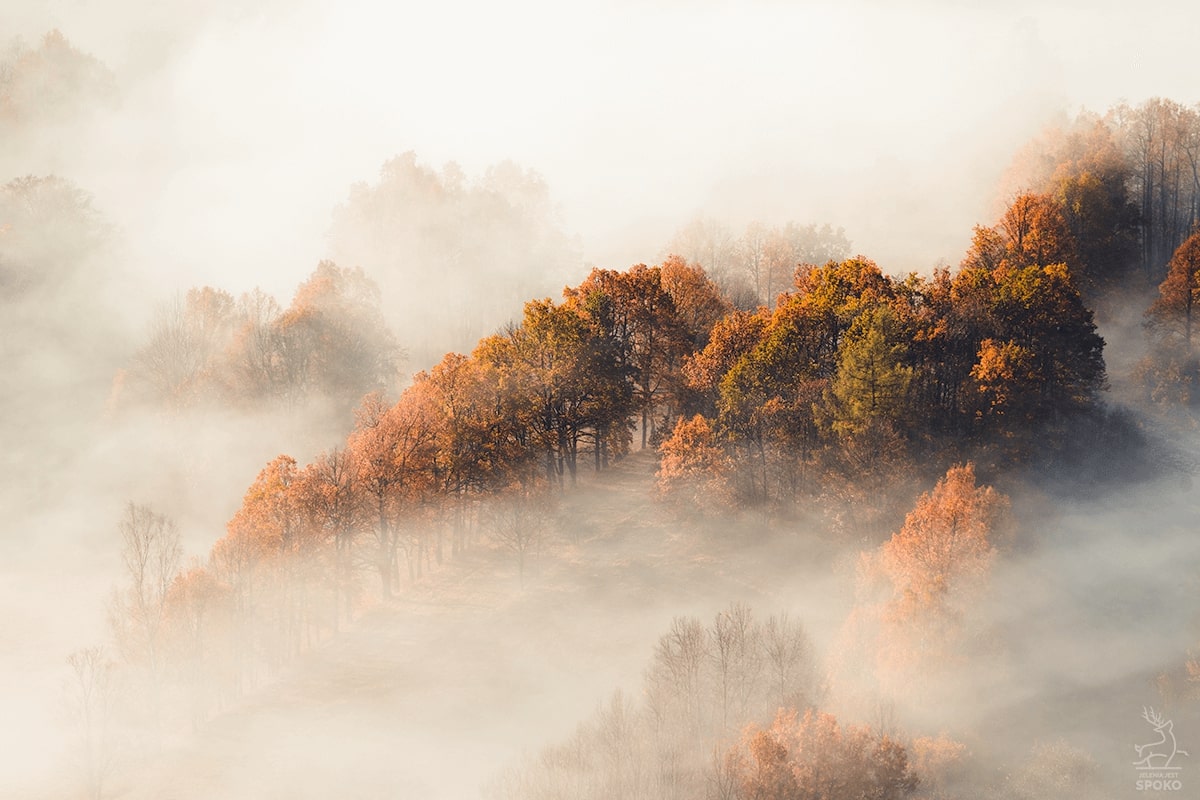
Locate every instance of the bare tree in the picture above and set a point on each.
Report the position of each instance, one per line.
(151, 552)
(519, 525)
(735, 653)
(789, 656)
(173, 355)
(89, 694)
(676, 674)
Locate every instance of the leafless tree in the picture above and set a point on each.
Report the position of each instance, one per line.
(519, 525)
(151, 551)
(789, 657)
(736, 655)
(89, 693)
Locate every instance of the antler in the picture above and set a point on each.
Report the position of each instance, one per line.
(1153, 717)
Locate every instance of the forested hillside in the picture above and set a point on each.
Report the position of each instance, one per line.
(792, 523)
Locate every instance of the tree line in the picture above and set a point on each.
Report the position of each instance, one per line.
(850, 374)
(207, 348)
(855, 375)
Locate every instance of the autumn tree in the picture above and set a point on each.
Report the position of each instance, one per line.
(923, 581)
(698, 301)
(483, 444)
(330, 496)
(751, 269)
(254, 355)
(558, 380)
(1170, 371)
(693, 466)
(731, 338)
(640, 318)
(330, 342)
(1089, 172)
(1035, 232)
(332, 338)
(392, 450)
(1091, 185)
(272, 525)
(713, 245)
(815, 757)
(1171, 313)
(703, 683)
(197, 606)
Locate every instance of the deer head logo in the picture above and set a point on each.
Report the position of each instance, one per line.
(1160, 753)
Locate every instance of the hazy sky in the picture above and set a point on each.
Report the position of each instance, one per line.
(242, 124)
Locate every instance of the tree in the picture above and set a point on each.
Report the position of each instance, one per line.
(1171, 313)
(151, 553)
(1091, 185)
(1159, 140)
(332, 338)
(254, 357)
(271, 522)
(926, 578)
(872, 379)
(392, 448)
(331, 497)
(693, 466)
(736, 651)
(1042, 336)
(814, 757)
(788, 653)
(196, 601)
(519, 520)
(730, 339)
(1035, 232)
(644, 325)
(1170, 370)
(711, 244)
(49, 230)
(173, 358)
(698, 301)
(91, 695)
(673, 683)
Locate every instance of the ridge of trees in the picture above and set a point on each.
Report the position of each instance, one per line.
(1127, 183)
(207, 347)
(752, 268)
(850, 378)
(49, 83)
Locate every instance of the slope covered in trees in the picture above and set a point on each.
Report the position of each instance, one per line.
(773, 377)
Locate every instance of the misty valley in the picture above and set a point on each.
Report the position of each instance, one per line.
(426, 503)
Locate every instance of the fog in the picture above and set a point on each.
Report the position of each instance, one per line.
(236, 131)
(893, 121)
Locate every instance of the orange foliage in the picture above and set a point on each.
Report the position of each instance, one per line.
(693, 465)
(815, 757)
